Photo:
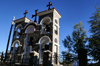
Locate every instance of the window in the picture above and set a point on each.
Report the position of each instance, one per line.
(56, 29)
(18, 33)
(15, 49)
(55, 40)
(56, 21)
(18, 30)
(16, 45)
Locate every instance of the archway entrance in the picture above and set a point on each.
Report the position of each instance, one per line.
(28, 48)
(45, 40)
(15, 50)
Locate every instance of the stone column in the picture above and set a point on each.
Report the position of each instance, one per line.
(47, 58)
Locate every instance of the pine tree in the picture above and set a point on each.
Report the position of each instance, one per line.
(77, 42)
(94, 40)
(67, 58)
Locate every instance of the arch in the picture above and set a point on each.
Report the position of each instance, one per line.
(46, 20)
(17, 41)
(19, 26)
(31, 23)
(30, 29)
(44, 39)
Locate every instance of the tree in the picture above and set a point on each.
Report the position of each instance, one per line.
(77, 42)
(94, 40)
(67, 58)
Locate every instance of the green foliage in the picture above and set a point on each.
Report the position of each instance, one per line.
(94, 40)
(75, 43)
(67, 58)
(78, 39)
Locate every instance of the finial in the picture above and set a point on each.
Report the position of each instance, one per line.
(35, 15)
(13, 20)
(25, 13)
(49, 5)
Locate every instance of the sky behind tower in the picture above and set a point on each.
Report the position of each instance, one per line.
(72, 11)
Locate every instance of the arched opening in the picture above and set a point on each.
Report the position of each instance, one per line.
(15, 50)
(30, 29)
(56, 30)
(44, 45)
(29, 37)
(56, 21)
(18, 31)
(45, 22)
(55, 40)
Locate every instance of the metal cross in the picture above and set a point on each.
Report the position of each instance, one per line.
(49, 5)
(35, 15)
(25, 13)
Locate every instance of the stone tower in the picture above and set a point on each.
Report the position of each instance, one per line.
(36, 42)
(50, 18)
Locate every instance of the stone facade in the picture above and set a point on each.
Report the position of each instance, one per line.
(36, 43)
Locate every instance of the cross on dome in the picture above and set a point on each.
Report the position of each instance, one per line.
(25, 13)
(49, 5)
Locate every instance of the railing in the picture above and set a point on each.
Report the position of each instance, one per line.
(26, 59)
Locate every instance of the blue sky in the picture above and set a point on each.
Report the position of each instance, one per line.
(72, 12)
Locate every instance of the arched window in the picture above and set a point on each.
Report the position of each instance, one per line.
(56, 40)
(56, 29)
(30, 29)
(44, 41)
(56, 21)
(45, 20)
(45, 25)
(18, 31)
(15, 48)
(16, 45)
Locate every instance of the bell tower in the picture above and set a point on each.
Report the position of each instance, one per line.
(49, 20)
(36, 43)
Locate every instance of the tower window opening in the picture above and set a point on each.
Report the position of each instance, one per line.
(46, 27)
(56, 21)
(18, 33)
(56, 29)
(18, 30)
(55, 40)
(15, 49)
(16, 45)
